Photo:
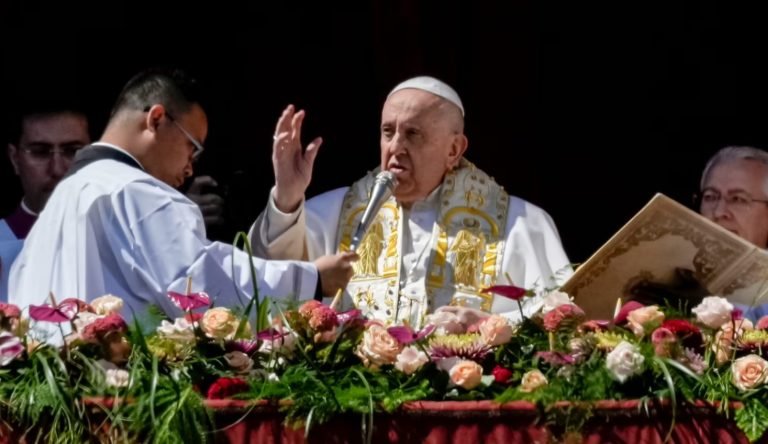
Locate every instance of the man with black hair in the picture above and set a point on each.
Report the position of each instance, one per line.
(42, 145)
(116, 223)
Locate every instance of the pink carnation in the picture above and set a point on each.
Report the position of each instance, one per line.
(323, 318)
(9, 310)
(762, 323)
(308, 307)
(562, 317)
(100, 328)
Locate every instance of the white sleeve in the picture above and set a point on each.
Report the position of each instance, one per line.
(307, 233)
(168, 244)
(534, 257)
(278, 235)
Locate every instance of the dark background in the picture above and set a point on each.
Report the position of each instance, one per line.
(585, 109)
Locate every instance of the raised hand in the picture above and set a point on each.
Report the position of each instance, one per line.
(335, 271)
(292, 164)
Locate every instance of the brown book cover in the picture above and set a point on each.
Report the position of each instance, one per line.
(661, 238)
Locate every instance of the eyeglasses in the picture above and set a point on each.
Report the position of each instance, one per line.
(199, 148)
(44, 153)
(739, 201)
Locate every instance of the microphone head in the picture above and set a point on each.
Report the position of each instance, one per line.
(387, 178)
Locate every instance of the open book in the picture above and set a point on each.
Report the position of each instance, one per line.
(662, 237)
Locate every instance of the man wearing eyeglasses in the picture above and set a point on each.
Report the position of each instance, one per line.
(117, 224)
(734, 192)
(734, 195)
(42, 146)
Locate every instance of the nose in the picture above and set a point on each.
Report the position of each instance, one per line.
(59, 164)
(720, 209)
(189, 169)
(397, 144)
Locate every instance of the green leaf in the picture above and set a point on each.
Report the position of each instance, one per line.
(753, 418)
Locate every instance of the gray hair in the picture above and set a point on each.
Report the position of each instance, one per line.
(731, 153)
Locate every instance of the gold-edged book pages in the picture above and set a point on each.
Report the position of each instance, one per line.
(663, 236)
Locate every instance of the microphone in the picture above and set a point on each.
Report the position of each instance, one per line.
(382, 188)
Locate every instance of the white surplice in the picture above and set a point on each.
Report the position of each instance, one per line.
(113, 228)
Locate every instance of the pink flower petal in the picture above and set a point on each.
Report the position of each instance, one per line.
(190, 301)
(349, 315)
(403, 333)
(508, 291)
(46, 313)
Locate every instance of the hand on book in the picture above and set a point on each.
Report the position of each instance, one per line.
(685, 287)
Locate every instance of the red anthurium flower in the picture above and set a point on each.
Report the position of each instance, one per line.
(224, 388)
(349, 315)
(405, 334)
(270, 334)
(625, 310)
(190, 301)
(508, 291)
(65, 311)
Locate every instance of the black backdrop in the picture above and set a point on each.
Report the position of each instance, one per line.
(585, 109)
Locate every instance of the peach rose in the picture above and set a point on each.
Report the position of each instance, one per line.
(532, 380)
(378, 347)
(219, 323)
(725, 337)
(495, 330)
(749, 372)
(466, 374)
(411, 359)
(640, 317)
(107, 304)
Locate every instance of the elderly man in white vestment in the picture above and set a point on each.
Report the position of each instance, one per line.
(116, 224)
(448, 232)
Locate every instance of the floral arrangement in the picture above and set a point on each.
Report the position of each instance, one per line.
(156, 373)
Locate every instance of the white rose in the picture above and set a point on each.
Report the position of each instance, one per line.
(84, 318)
(284, 344)
(114, 376)
(713, 311)
(181, 330)
(624, 361)
(554, 299)
(107, 304)
(410, 359)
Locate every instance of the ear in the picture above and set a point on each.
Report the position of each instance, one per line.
(153, 117)
(13, 153)
(458, 148)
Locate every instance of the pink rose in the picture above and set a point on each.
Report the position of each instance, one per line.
(495, 330)
(532, 380)
(411, 359)
(445, 323)
(641, 317)
(378, 347)
(466, 374)
(749, 372)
